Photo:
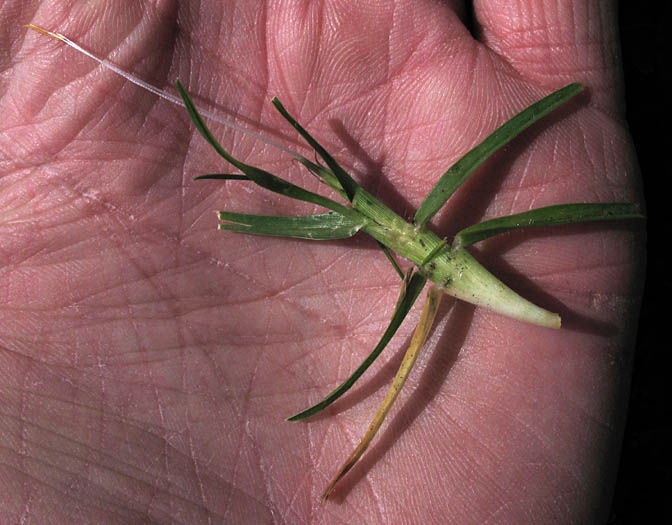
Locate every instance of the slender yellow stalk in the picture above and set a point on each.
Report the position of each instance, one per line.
(46, 32)
(417, 341)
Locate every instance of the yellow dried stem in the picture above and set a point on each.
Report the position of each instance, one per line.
(420, 335)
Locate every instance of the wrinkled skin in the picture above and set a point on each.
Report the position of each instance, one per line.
(147, 361)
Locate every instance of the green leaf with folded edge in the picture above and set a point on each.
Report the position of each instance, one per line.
(463, 168)
(411, 288)
(223, 176)
(261, 177)
(318, 227)
(548, 216)
(390, 257)
(325, 175)
(348, 184)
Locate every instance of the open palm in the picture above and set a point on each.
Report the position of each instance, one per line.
(147, 361)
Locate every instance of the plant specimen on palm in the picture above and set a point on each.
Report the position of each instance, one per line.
(447, 265)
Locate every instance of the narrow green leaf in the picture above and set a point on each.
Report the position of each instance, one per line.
(463, 168)
(261, 177)
(413, 285)
(273, 183)
(435, 251)
(324, 174)
(548, 216)
(420, 335)
(319, 227)
(390, 257)
(327, 176)
(223, 176)
(348, 184)
(199, 123)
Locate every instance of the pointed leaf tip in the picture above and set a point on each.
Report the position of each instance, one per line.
(412, 285)
(459, 172)
(348, 184)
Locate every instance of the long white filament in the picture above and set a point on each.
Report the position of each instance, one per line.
(163, 94)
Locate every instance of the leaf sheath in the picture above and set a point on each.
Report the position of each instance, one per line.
(318, 227)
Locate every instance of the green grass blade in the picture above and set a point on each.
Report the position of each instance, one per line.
(261, 177)
(223, 176)
(324, 174)
(200, 124)
(319, 227)
(548, 216)
(348, 184)
(327, 176)
(413, 285)
(463, 168)
(273, 183)
(420, 335)
(435, 251)
(336, 177)
(390, 257)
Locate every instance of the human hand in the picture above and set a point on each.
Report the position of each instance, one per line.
(149, 361)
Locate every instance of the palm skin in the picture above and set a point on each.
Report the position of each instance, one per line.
(148, 361)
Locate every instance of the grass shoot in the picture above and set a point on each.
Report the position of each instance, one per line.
(448, 265)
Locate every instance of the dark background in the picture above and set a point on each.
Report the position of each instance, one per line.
(645, 474)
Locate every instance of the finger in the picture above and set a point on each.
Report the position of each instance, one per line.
(553, 42)
(458, 7)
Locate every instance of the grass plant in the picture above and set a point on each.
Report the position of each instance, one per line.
(448, 266)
